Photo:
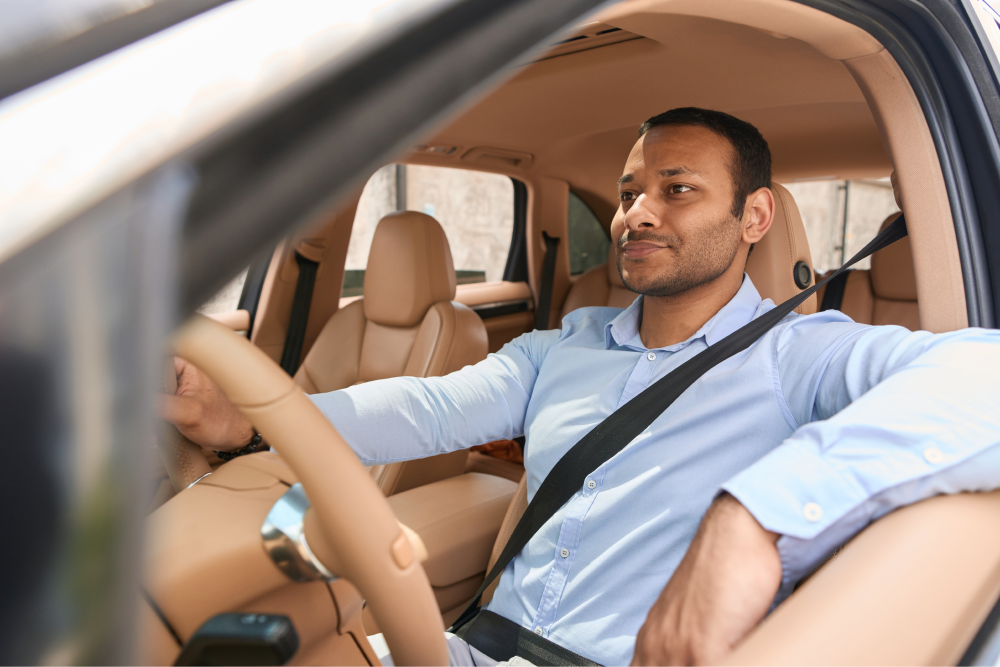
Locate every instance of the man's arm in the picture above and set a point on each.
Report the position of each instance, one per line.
(894, 417)
(387, 420)
(408, 418)
(907, 416)
(718, 593)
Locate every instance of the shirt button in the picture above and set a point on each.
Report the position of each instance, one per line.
(651, 356)
(933, 455)
(564, 553)
(539, 631)
(591, 484)
(812, 512)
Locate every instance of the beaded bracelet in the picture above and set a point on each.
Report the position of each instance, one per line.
(249, 449)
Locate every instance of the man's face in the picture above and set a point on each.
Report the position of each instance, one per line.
(674, 229)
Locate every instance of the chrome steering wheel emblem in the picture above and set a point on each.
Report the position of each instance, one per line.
(285, 540)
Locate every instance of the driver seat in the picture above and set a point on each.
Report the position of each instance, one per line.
(407, 323)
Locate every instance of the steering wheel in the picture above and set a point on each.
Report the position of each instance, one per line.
(349, 526)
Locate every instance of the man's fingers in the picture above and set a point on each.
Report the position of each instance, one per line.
(179, 365)
(181, 411)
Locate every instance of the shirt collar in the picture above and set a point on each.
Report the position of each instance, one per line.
(624, 329)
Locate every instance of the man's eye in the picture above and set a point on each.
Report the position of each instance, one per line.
(679, 188)
(626, 196)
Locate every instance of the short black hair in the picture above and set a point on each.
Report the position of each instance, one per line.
(751, 166)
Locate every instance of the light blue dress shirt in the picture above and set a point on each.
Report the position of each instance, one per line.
(820, 427)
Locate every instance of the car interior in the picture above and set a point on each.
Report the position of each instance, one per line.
(830, 101)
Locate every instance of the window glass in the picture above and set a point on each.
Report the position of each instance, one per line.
(589, 241)
(840, 217)
(475, 209)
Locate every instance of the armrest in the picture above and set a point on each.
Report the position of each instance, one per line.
(911, 589)
(452, 524)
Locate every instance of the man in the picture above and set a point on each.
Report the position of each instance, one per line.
(676, 547)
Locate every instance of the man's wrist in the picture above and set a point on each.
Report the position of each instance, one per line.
(256, 444)
(731, 510)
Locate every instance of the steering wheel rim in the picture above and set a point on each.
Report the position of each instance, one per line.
(350, 526)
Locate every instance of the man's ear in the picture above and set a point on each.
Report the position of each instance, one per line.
(760, 214)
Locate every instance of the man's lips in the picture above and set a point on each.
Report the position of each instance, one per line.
(637, 249)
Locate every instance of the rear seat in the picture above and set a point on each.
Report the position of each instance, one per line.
(885, 294)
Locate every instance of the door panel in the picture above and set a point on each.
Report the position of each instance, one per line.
(506, 308)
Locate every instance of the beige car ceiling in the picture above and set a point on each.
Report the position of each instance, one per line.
(831, 102)
(576, 115)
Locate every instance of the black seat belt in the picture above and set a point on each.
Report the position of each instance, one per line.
(300, 314)
(627, 422)
(833, 297)
(544, 305)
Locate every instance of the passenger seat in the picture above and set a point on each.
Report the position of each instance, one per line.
(780, 266)
(886, 294)
(407, 323)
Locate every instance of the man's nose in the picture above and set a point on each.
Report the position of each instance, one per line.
(639, 216)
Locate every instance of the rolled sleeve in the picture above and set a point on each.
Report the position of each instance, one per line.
(920, 420)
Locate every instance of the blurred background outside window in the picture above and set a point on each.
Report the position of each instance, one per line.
(476, 210)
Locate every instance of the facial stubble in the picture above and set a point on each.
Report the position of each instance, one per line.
(697, 261)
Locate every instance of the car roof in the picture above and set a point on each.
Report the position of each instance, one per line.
(576, 112)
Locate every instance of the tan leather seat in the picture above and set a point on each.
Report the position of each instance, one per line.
(771, 266)
(886, 294)
(406, 324)
(599, 286)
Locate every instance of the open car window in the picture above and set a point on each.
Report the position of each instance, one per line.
(841, 216)
(476, 210)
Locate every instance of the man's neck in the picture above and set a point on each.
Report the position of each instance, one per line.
(668, 320)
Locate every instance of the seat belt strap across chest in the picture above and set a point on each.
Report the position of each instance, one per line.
(623, 425)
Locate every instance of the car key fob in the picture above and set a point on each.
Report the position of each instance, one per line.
(241, 639)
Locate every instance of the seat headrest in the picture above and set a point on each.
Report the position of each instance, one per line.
(892, 274)
(774, 265)
(409, 269)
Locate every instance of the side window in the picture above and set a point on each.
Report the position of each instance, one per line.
(589, 241)
(227, 299)
(475, 209)
(840, 217)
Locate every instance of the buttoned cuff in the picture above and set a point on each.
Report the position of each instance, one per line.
(794, 491)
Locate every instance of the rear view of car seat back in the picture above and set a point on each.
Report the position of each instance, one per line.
(599, 286)
(780, 265)
(407, 323)
(886, 294)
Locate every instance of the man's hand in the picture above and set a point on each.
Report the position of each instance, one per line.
(720, 591)
(202, 413)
